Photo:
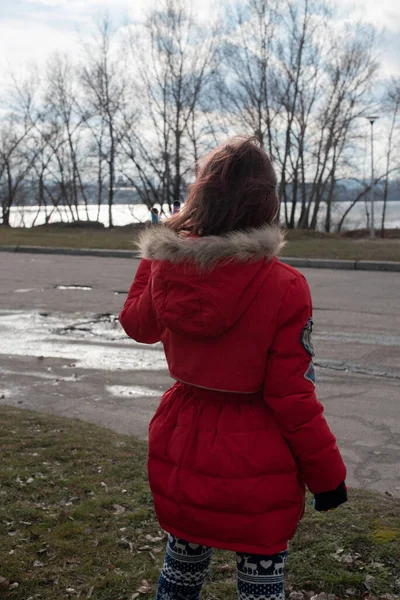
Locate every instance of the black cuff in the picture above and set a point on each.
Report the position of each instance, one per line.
(327, 500)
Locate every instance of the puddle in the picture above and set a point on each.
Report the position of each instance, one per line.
(90, 342)
(73, 287)
(120, 292)
(125, 391)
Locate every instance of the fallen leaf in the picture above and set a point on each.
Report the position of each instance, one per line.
(152, 539)
(118, 509)
(296, 596)
(90, 592)
(228, 569)
(38, 564)
(13, 586)
(134, 596)
(124, 543)
(144, 587)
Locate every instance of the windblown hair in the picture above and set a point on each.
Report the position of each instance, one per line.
(235, 190)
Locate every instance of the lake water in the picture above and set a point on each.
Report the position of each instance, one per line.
(124, 214)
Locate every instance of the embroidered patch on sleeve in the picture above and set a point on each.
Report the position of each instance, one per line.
(310, 373)
(306, 337)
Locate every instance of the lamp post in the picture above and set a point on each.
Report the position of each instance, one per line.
(372, 120)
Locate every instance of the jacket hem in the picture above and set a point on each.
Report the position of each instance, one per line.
(225, 545)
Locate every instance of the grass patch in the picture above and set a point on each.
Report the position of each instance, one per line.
(306, 244)
(58, 236)
(77, 520)
(303, 244)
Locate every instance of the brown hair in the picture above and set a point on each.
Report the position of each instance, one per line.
(235, 189)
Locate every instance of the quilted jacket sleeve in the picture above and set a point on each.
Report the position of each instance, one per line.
(137, 317)
(290, 392)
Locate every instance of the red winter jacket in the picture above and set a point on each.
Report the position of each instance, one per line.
(236, 438)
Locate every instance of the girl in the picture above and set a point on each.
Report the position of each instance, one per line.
(241, 433)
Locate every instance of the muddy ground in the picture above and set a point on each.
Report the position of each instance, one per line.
(63, 352)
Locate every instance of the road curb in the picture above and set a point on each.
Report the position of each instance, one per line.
(347, 265)
(71, 251)
(311, 263)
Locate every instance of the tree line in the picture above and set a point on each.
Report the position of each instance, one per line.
(146, 100)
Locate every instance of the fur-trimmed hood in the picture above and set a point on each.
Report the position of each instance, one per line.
(161, 243)
(201, 286)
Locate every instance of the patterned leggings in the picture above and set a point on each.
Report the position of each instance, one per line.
(186, 565)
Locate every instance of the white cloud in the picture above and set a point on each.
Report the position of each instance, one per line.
(30, 30)
(21, 43)
(385, 13)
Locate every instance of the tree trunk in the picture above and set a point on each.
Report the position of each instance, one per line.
(328, 218)
(178, 177)
(385, 196)
(112, 176)
(6, 215)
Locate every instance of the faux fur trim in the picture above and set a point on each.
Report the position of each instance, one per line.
(161, 243)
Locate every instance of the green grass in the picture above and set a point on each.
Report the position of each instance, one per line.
(304, 244)
(76, 514)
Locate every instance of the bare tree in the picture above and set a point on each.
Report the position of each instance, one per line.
(300, 52)
(63, 112)
(173, 55)
(351, 71)
(17, 148)
(299, 87)
(245, 78)
(392, 104)
(104, 85)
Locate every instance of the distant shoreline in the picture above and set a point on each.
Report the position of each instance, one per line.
(127, 214)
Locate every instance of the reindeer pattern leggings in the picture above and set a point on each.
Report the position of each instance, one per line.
(186, 565)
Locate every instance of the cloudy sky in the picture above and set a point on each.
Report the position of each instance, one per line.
(31, 29)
